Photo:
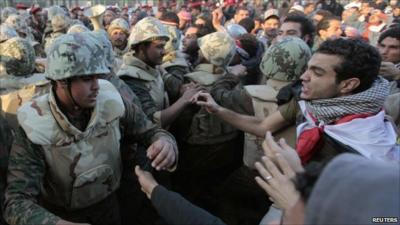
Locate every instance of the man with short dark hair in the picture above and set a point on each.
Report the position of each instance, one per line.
(299, 26)
(340, 86)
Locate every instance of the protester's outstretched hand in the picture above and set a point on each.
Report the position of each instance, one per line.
(275, 179)
(188, 91)
(217, 16)
(271, 148)
(162, 153)
(207, 101)
(146, 180)
(389, 71)
(238, 70)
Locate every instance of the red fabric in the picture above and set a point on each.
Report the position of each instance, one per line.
(21, 6)
(35, 9)
(309, 141)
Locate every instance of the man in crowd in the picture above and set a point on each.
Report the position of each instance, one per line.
(66, 156)
(340, 86)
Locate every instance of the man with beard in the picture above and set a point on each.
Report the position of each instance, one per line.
(118, 32)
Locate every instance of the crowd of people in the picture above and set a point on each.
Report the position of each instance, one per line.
(233, 112)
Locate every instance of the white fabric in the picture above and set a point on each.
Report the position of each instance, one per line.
(372, 137)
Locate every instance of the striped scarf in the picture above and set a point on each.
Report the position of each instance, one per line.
(368, 101)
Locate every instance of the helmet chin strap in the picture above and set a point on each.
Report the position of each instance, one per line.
(69, 95)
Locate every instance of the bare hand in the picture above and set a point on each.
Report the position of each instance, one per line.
(162, 153)
(217, 16)
(388, 70)
(276, 180)
(238, 70)
(271, 148)
(205, 100)
(189, 91)
(146, 180)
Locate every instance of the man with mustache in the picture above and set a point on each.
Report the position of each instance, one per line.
(65, 164)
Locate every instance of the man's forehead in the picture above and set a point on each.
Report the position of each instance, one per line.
(191, 30)
(391, 41)
(327, 59)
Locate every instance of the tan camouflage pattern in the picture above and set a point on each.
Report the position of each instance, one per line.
(82, 167)
(174, 38)
(54, 10)
(218, 48)
(60, 22)
(147, 29)
(7, 32)
(18, 23)
(17, 56)
(285, 60)
(75, 54)
(102, 38)
(77, 28)
(119, 23)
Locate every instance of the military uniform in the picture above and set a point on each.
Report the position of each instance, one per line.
(282, 63)
(59, 24)
(67, 172)
(119, 23)
(17, 83)
(174, 63)
(6, 140)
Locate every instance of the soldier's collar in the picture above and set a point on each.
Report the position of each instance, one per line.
(210, 68)
(130, 60)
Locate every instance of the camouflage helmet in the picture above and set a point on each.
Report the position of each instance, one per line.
(285, 60)
(104, 41)
(7, 11)
(7, 32)
(147, 29)
(77, 28)
(119, 23)
(174, 38)
(55, 10)
(17, 56)
(218, 48)
(73, 55)
(60, 22)
(18, 23)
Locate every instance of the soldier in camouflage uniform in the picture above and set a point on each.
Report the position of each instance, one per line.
(65, 163)
(18, 83)
(211, 148)
(139, 71)
(6, 140)
(281, 64)
(174, 62)
(118, 32)
(59, 24)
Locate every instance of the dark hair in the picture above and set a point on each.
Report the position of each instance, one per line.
(249, 43)
(324, 13)
(247, 23)
(324, 23)
(307, 27)
(203, 30)
(359, 60)
(306, 180)
(169, 17)
(392, 32)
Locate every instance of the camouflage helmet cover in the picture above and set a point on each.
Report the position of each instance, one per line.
(60, 22)
(218, 48)
(74, 55)
(7, 32)
(7, 11)
(174, 38)
(77, 28)
(104, 41)
(119, 23)
(285, 60)
(55, 10)
(147, 29)
(18, 23)
(17, 56)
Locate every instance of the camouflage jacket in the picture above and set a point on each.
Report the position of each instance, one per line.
(176, 66)
(205, 128)
(146, 82)
(26, 189)
(6, 140)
